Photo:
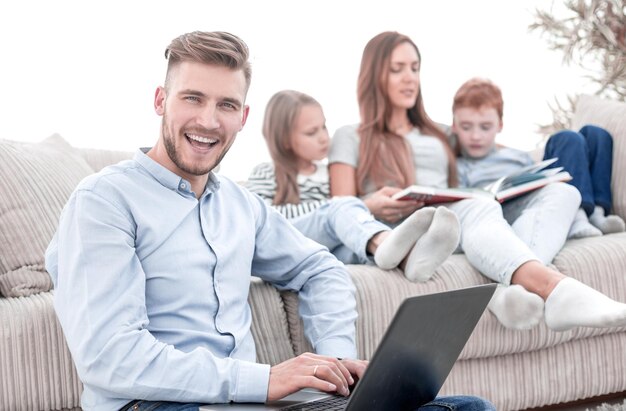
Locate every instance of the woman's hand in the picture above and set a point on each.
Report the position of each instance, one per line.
(387, 209)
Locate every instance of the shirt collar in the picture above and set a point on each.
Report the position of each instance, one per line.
(489, 153)
(169, 179)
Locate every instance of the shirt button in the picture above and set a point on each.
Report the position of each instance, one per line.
(183, 186)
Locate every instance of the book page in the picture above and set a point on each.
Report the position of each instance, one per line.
(523, 175)
(520, 189)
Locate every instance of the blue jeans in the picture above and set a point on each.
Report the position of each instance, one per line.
(344, 225)
(451, 403)
(588, 156)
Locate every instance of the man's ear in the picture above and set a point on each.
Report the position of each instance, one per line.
(159, 100)
(244, 116)
(501, 125)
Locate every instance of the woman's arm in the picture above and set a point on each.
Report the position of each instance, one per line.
(381, 205)
(342, 179)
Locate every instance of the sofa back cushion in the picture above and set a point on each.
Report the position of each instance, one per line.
(98, 159)
(36, 179)
(611, 115)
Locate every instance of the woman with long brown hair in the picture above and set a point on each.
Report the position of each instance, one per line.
(397, 144)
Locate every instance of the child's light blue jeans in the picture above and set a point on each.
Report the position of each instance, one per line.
(344, 225)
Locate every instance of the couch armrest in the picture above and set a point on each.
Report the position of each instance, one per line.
(610, 115)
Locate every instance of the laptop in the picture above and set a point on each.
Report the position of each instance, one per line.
(412, 360)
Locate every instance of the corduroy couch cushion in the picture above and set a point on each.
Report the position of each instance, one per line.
(36, 369)
(36, 179)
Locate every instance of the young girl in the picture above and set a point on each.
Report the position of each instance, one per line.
(296, 183)
(397, 144)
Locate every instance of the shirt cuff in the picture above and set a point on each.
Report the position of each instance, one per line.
(337, 347)
(252, 382)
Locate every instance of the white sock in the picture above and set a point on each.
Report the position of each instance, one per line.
(515, 307)
(402, 238)
(434, 247)
(607, 224)
(581, 227)
(574, 304)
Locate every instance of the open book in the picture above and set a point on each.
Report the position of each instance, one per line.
(510, 186)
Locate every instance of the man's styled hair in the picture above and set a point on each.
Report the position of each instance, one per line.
(212, 47)
(281, 113)
(477, 93)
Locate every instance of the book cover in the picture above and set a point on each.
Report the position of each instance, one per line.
(432, 195)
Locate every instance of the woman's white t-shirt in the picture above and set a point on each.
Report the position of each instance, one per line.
(429, 156)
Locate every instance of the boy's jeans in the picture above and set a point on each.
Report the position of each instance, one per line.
(498, 239)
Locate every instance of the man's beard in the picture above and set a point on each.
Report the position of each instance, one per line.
(192, 169)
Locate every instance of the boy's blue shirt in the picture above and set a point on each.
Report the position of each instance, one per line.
(479, 172)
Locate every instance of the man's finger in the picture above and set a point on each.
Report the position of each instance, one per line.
(331, 374)
(356, 367)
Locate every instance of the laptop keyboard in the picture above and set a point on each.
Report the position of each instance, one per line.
(325, 404)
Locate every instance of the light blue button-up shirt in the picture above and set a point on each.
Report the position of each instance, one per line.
(151, 286)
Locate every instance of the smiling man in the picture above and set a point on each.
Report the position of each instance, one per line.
(199, 124)
(152, 261)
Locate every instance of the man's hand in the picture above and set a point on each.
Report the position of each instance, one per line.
(309, 370)
(384, 208)
(355, 367)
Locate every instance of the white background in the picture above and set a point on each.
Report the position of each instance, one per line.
(88, 69)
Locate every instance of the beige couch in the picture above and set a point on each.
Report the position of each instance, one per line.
(514, 369)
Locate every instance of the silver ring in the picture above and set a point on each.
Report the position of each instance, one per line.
(315, 370)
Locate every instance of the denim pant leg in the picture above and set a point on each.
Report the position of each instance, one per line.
(458, 403)
(449, 403)
(600, 145)
(487, 239)
(572, 152)
(344, 225)
(141, 405)
(542, 218)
